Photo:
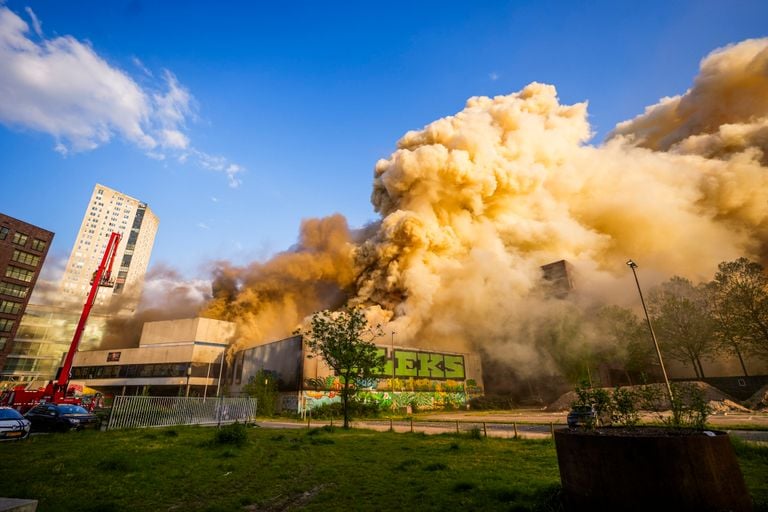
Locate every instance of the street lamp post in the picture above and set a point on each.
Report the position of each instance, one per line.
(189, 374)
(393, 365)
(633, 266)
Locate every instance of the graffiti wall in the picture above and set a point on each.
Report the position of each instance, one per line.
(423, 365)
(418, 394)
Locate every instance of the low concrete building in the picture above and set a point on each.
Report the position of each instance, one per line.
(412, 377)
(174, 357)
(188, 358)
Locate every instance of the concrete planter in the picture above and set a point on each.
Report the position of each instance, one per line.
(649, 468)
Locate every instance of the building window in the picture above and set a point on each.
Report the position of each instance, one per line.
(14, 290)
(3, 341)
(39, 245)
(6, 325)
(19, 273)
(10, 307)
(20, 238)
(26, 258)
(4, 232)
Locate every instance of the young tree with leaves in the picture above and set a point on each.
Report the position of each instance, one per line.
(682, 322)
(344, 340)
(263, 387)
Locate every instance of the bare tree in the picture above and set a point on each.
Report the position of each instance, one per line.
(680, 317)
(337, 337)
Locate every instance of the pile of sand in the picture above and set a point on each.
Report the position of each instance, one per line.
(758, 401)
(719, 402)
(725, 407)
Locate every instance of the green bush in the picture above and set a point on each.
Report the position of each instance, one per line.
(235, 434)
(690, 408)
(357, 409)
(264, 387)
(492, 402)
(476, 433)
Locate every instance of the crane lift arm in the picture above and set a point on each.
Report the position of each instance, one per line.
(102, 277)
(56, 390)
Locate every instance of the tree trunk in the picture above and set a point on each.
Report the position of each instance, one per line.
(741, 359)
(345, 402)
(695, 368)
(701, 368)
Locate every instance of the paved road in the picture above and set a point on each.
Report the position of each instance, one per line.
(503, 430)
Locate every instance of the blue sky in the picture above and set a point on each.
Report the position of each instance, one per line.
(247, 117)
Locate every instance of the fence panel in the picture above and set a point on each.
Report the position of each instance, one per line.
(166, 411)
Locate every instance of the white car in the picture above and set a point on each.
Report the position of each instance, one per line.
(13, 425)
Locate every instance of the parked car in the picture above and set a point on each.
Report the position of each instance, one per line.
(583, 416)
(13, 425)
(60, 418)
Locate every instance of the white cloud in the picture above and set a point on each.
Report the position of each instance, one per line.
(493, 76)
(62, 87)
(35, 22)
(203, 225)
(174, 139)
(137, 62)
(220, 164)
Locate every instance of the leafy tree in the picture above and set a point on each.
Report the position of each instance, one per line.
(337, 337)
(681, 320)
(621, 328)
(739, 304)
(580, 341)
(263, 387)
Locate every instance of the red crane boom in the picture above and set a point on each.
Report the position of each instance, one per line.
(100, 278)
(56, 390)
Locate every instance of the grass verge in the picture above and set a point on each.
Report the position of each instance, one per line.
(319, 469)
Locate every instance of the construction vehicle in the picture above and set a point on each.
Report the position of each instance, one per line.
(57, 390)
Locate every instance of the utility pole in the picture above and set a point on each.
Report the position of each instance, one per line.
(633, 266)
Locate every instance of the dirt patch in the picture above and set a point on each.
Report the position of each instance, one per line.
(284, 503)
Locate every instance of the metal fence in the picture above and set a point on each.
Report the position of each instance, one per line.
(165, 411)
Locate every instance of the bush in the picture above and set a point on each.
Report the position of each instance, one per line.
(492, 402)
(357, 409)
(235, 434)
(690, 408)
(476, 433)
(264, 387)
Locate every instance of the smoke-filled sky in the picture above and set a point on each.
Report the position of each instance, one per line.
(472, 205)
(235, 122)
(419, 160)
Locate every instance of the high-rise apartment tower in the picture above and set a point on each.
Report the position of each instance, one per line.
(108, 211)
(23, 248)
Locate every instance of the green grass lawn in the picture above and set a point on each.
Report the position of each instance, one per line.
(185, 469)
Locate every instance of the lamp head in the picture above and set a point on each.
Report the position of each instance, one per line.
(631, 264)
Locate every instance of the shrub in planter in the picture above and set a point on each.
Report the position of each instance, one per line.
(631, 467)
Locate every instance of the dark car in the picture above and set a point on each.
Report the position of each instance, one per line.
(12, 425)
(60, 418)
(583, 416)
